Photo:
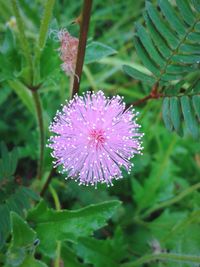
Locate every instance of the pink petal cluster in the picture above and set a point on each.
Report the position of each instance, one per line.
(68, 51)
(95, 138)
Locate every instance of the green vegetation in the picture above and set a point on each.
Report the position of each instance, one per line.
(147, 52)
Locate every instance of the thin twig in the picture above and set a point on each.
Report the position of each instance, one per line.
(142, 100)
(163, 257)
(52, 172)
(45, 23)
(84, 21)
(154, 94)
(58, 207)
(172, 201)
(38, 107)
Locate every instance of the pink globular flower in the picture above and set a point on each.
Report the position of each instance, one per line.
(95, 138)
(68, 51)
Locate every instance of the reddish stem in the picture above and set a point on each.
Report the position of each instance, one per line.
(84, 21)
(142, 100)
(154, 94)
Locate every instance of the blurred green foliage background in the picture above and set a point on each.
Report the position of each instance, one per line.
(159, 210)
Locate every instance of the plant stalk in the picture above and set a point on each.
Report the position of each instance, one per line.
(85, 21)
(38, 107)
(46, 184)
(45, 23)
(163, 256)
(58, 207)
(172, 201)
(74, 82)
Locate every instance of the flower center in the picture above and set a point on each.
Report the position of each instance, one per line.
(97, 138)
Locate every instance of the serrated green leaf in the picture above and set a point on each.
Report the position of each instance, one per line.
(23, 238)
(172, 17)
(148, 45)
(96, 51)
(166, 113)
(138, 75)
(162, 28)
(175, 114)
(103, 252)
(186, 11)
(69, 257)
(8, 162)
(22, 234)
(12, 196)
(4, 224)
(52, 225)
(96, 252)
(189, 116)
(196, 104)
(15, 257)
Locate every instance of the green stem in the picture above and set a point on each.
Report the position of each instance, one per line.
(43, 36)
(55, 197)
(58, 207)
(45, 23)
(85, 21)
(38, 106)
(174, 200)
(23, 40)
(48, 180)
(163, 256)
(58, 252)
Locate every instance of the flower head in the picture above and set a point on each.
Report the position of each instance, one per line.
(95, 138)
(68, 51)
